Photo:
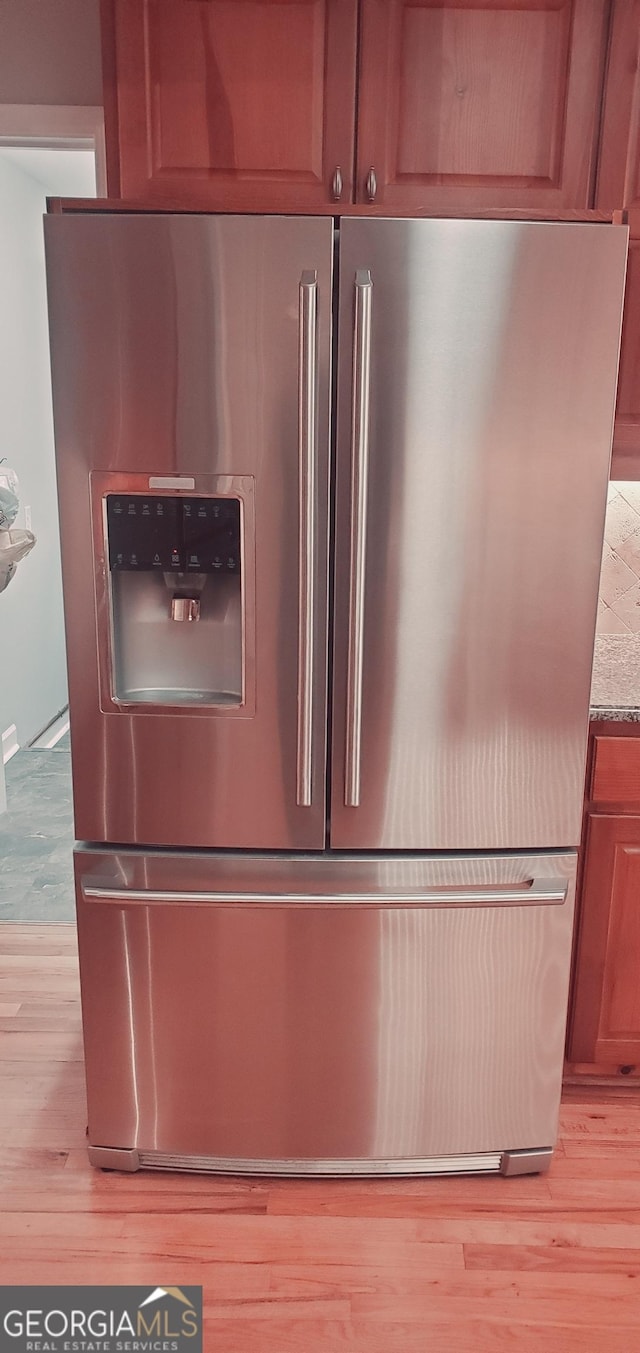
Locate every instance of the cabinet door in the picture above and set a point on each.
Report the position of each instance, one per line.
(606, 1021)
(471, 104)
(618, 185)
(246, 104)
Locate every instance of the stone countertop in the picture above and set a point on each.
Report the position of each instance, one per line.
(615, 688)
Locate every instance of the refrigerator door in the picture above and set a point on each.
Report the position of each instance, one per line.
(337, 1015)
(191, 370)
(476, 392)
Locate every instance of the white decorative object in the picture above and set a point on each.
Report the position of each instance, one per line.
(14, 542)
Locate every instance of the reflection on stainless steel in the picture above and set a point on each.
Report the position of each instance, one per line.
(492, 397)
(318, 1011)
(231, 1032)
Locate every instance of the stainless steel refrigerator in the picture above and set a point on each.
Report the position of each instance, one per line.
(332, 504)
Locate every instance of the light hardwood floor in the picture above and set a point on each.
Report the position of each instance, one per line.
(550, 1263)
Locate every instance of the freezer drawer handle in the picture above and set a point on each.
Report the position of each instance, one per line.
(536, 892)
(307, 383)
(359, 480)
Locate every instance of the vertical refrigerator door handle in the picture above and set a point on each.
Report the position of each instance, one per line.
(359, 481)
(307, 421)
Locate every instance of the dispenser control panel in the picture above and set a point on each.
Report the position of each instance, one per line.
(173, 535)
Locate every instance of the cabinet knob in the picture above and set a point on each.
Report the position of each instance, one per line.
(371, 184)
(336, 184)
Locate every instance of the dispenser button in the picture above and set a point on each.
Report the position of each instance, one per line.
(140, 531)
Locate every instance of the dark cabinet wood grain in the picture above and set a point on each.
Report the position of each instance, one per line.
(245, 104)
(480, 103)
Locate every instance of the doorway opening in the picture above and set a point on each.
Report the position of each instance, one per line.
(36, 831)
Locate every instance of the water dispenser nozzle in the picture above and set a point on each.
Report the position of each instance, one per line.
(185, 608)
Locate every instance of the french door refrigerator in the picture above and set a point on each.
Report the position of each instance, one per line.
(332, 502)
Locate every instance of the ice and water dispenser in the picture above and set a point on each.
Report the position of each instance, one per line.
(176, 598)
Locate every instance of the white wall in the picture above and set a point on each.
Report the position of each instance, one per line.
(32, 661)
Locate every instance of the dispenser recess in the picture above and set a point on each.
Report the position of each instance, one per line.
(176, 599)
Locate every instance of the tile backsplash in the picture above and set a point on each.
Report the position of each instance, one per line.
(619, 604)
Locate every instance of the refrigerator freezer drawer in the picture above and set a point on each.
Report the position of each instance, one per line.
(286, 1025)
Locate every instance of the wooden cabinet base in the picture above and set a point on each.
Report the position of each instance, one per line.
(624, 1077)
(606, 1012)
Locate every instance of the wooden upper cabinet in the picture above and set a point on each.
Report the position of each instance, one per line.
(246, 104)
(476, 104)
(618, 186)
(618, 181)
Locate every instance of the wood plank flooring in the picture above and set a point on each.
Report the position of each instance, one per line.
(546, 1264)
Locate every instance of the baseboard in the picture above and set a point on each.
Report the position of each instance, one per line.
(45, 737)
(10, 744)
(52, 734)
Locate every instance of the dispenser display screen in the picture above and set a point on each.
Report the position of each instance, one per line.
(173, 535)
